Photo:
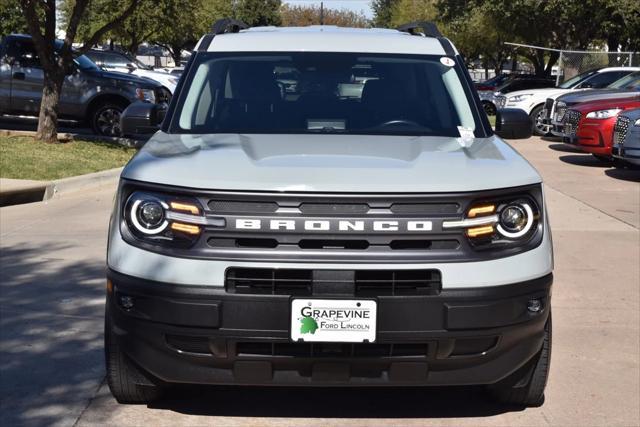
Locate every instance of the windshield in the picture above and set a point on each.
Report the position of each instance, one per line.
(575, 80)
(316, 92)
(630, 81)
(84, 63)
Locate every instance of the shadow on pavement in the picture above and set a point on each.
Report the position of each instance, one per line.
(632, 175)
(565, 148)
(585, 160)
(50, 334)
(551, 138)
(300, 402)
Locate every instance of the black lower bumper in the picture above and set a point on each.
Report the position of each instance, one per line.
(195, 334)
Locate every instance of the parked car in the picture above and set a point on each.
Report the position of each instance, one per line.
(589, 126)
(306, 238)
(626, 87)
(491, 100)
(112, 60)
(492, 83)
(626, 137)
(533, 101)
(89, 94)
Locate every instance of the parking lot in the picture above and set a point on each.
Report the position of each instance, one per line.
(52, 291)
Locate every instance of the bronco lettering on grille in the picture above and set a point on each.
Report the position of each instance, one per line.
(333, 226)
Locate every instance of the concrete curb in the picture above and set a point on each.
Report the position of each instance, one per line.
(60, 187)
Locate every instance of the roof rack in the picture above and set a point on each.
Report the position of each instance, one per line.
(429, 28)
(228, 25)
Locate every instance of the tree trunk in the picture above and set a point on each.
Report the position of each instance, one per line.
(176, 54)
(48, 120)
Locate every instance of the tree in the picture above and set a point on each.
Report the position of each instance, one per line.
(135, 30)
(404, 11)
(294, 16)
(56, 62)
(11, 17)
(252, 12)
(382, 12)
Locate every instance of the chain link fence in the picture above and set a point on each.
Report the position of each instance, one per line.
(573, 62)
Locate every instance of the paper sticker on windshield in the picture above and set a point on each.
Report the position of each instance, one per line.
(447, 61)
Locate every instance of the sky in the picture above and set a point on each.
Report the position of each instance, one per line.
(355, 5)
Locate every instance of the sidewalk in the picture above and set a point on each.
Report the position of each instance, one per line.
(20, 191)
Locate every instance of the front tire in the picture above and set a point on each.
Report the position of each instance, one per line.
(126, 382)
(105, 118)
(526, 386)
(537, 128)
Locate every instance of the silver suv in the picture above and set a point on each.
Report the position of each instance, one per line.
(328, 206)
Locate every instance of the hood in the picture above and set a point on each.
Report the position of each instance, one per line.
(598, 95)
(604, 104)
(551, 92)
(329, 163)
(633, 114)
(125, 77)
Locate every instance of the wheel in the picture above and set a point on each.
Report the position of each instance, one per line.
(604, 159)
(126, 382)
(105, 118)
(489, 108)
(537, 127)
(525, 387)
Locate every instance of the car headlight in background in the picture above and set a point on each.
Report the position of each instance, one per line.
(520, 98)
(604, 114)
(146, 95)
(637, 123)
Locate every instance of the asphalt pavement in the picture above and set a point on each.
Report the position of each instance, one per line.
(52, 302)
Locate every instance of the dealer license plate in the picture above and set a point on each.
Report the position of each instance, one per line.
(333, 320)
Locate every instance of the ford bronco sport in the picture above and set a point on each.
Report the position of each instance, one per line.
(328, 206)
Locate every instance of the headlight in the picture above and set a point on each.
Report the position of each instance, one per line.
(520, 98)
(604, 114)
(146, 95)
(506, 223)
(637, 123)
(165, 220)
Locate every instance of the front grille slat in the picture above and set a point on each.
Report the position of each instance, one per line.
(620, 130)
(572, 118)
(299, 282)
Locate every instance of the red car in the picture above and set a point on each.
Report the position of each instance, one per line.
(589, 126)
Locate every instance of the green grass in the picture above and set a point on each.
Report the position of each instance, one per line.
(23, 158)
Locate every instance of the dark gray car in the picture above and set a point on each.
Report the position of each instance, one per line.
(89, 94)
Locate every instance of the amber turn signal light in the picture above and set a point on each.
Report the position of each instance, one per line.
(481, 210)
(185, 228)
(480, 231)
(185, 207)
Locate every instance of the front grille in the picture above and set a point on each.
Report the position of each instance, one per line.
(571, 120)
(620, 130)
(363, 283)
(560, 110)
(331, 350)
(189, 344)
(548, 108)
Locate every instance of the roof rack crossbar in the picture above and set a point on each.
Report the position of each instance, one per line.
(430, 29)
(228, 25)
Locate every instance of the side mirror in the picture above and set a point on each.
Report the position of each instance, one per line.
(513, 123)
(142, 119)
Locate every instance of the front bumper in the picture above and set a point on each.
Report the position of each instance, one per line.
(198, 334)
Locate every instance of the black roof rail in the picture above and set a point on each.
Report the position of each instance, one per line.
(228, 25)
(429, 28)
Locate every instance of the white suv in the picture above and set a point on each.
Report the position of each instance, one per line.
(533, 100)
(328, 206)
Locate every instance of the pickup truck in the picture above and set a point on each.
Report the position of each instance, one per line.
(89, 94)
